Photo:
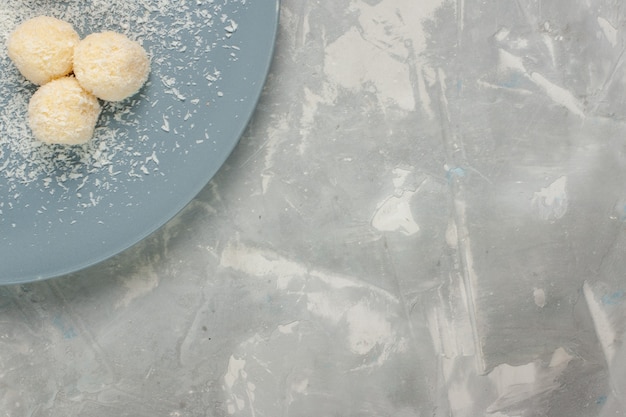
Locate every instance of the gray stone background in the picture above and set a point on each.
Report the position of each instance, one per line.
(425, 217)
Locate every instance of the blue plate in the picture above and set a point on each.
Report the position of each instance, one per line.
(65, 208)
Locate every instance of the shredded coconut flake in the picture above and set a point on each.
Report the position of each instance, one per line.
(123, 148)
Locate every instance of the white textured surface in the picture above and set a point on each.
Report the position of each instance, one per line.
(424, 218)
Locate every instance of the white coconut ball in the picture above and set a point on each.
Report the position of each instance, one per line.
(111, 66)
(42, 48)
(61, 111)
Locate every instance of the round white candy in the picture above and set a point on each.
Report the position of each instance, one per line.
(42, 48)
(110, 66)
(61, 111)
